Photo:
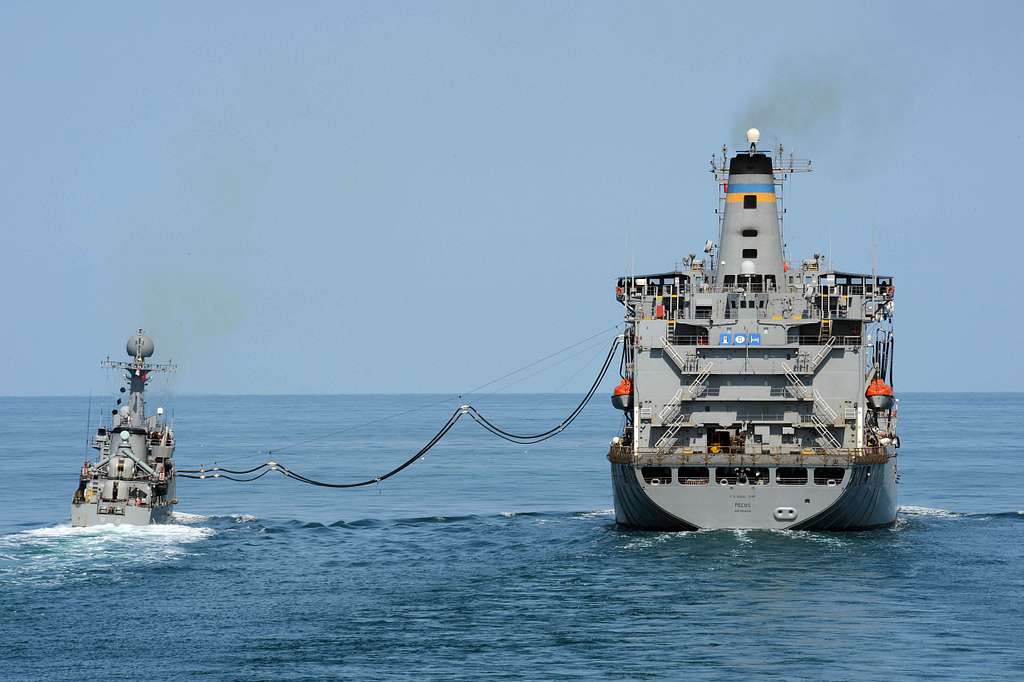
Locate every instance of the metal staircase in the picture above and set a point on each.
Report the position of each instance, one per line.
(831, 443)
(825, 330)
(821, 411)
(674, 356)
(797, 386)
(816, 360)
(669, 414)
(674, 407)
(699, 380)
(669, 436)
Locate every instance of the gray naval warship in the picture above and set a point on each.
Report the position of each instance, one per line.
(755, 394)
(133, 481)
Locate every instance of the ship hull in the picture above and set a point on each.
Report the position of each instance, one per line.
(865, 498)
(85, 514)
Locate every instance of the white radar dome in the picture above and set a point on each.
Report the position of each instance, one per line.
(140, 346)
(753, 135)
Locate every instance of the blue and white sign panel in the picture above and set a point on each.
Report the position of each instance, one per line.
(739, 339)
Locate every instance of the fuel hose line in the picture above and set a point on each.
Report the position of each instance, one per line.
(216, 472)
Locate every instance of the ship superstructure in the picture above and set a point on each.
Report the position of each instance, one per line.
(756, 393)
(133, 481)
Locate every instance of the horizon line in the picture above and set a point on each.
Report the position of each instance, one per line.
(453, 394)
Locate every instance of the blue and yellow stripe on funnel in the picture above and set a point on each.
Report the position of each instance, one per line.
(765, 192)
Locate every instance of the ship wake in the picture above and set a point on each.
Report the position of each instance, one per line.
(63, 553)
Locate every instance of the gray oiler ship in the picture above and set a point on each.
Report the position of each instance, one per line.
(133, 482)
(755, 394)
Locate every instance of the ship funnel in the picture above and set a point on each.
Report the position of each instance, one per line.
(750, 247)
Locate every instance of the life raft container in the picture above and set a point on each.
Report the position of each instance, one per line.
(879, 394)
(622, 396)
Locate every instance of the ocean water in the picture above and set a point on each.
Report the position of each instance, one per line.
(488, 560)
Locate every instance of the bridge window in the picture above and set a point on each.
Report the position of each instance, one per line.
(791, 476)
(657, 475)
(750, 253)
(750, 232)
(749, 201)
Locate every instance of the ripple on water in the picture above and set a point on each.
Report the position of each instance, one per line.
(187, 518)
(929, 511)
(63, 553)
(597, 513)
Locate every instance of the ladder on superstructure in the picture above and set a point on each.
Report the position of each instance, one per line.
(686, 365)
(672, 409)
(808, 366)
(804, 392)
(825, 329)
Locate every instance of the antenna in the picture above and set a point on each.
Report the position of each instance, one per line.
(630, 253)
(626, 254)
(88, 419)
(874, 252)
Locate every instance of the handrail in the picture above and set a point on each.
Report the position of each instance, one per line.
(678, 359)
(769, 450)
(714, 289)
(624, 454)
(816, 340)
(791, 339)
(687, 340)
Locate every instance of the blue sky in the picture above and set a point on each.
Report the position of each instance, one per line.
(378, 197)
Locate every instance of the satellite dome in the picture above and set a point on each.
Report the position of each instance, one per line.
(753, 136)
(140, 345)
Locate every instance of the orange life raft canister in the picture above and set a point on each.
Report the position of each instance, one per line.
(879, 394)
(622, 396)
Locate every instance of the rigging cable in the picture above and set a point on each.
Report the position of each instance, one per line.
(892, 348)
(529, 439)
(459, 396)
(461, 411)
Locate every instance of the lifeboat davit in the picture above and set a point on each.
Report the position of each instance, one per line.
(622, 396)
(879, 394)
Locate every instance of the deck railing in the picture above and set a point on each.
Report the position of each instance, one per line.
(688, 340)
(726, 456)
(816, 340)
